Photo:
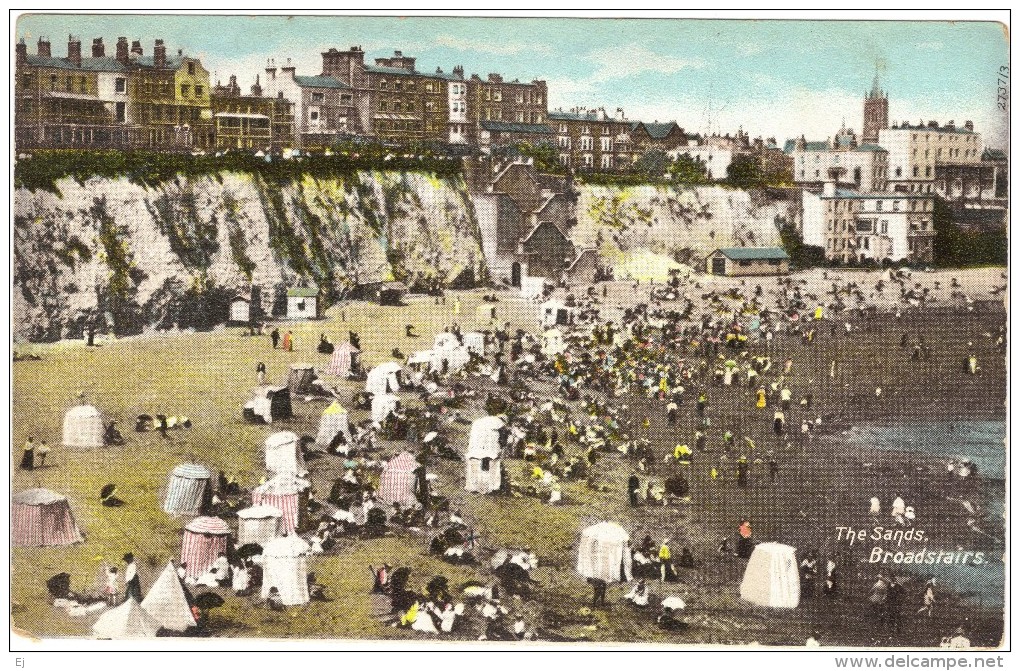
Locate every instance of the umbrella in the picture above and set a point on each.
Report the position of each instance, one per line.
(208, 600)
(59, 585)
(249, 550)
(673, 603)
(429, 437)
(107, 491)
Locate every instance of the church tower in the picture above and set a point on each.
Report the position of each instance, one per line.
(876, 113)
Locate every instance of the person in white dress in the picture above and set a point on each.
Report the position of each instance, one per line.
(638, 594)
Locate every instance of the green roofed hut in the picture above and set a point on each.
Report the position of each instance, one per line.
(736, 261)
(302, 303)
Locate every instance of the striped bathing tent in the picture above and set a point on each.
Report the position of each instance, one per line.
(283, 454)
(83, 427)
(282, 492)
(187, 489)
(40, 518)
(204, 539)
(396, 484)
(258, 524)
(345, 357)
(334, 421)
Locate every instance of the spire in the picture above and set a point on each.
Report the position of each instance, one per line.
(875, 92)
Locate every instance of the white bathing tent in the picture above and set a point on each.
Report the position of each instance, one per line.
(285, 567)
(772, 578)
(452, 359)
(283, 454)
(482, 468)
(383, 378)
(282, 492)
(382, 405)
(167, 603)
(83, 427)
(128, 620)
(552, 342)
(553, 312)
(445, 341)
(604, 553)
(475, 342)
(258, 524)
(335, 420)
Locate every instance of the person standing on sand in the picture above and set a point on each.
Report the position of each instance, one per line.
(260, 374)
(275, 337)
(43, 450)
(28, 455)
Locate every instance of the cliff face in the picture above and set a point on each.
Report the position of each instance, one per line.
(133, 257)
(686, 223)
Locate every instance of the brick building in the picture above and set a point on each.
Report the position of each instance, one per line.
(251, 121)
(591, 140)
(126, 101)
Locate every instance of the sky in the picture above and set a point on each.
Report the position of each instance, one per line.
(776, 79)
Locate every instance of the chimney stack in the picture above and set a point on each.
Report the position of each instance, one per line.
(270, 70)
(256, 88)
(136, 49)
(122, 50)
(829, 188)
(43, 48)
(21, 52)
(969, 125)
(98, 50)
(458, 71)
(159, 54)
(74, 51)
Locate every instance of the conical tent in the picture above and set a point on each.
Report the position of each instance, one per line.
(482, 467)
(383, 378)
(282, 492)
(334, 421)
(83, 427)
(283, 454)
(604, 553)
(258, 524)
(345, 358)
(552, 342)
(382, 405)
(40, 518)
(285, 567)
(396, 484)
(475, 342)
(300, 377)
(167, 603)
(187, 489)
(204, 539)
(772, 578)
(128, 620)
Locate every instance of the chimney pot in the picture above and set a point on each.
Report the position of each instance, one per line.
(98, 50)
(43, 48)
(122, 50)
(74, 51)
(136, 48)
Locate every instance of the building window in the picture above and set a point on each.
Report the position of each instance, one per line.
(607, 161)
(564, 142)
(520, 117)
(191, 67)
(199, 91)
(896, 206)
(184, 90)
(121, 112)
(586, 130)
(878, 205)
(607, 144)
(382, 84)
(927, 171)
(916, 169)
(314, 115)
(563, 128)
(318, 97)
(120, 85)
(382, 105)
(885, 226)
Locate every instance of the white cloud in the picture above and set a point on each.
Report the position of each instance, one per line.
(633, 59)
(750, 48)
(485, 47)
(928, 46)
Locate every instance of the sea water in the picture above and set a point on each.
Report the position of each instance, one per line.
(983, 442)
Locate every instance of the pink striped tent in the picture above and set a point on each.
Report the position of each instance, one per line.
(396, 485)
(42, 518)
(282, 492)
(204, 539)
(345, 357)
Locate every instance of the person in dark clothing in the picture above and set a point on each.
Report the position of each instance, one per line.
(633, 484)
(354, 339)
(598, 592)
(773, 468)
(132, 585)
(275, 337)
(894, 605)
(28, 455)
(742, 473)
